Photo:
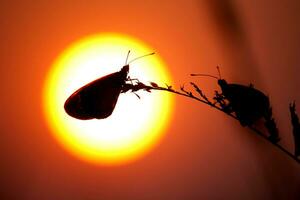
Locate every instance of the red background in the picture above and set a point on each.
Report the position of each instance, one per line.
(205, 154)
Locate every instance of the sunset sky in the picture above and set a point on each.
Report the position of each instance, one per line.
(204, 154)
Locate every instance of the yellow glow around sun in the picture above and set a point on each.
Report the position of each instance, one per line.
(135, 126)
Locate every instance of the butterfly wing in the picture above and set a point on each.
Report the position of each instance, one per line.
(248, 103)
(96, 99)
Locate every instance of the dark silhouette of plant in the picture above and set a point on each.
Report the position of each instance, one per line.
(271, 127)
(296, 128)
(221, 103)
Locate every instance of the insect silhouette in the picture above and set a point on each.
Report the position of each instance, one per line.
(98, 98)
(248, 104)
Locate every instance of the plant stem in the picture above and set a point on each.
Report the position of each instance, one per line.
(207, 102)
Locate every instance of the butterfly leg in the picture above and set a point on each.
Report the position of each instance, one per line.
(126, 87)
(133, 79)
(221, 100)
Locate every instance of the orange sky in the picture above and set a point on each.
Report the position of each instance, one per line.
(205, 155)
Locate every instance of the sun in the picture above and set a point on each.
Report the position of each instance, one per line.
(135, 126)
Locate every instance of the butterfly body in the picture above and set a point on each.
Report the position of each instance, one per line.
(97, 99)
(248, 103)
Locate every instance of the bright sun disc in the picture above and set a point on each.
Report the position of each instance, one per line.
(135, 126)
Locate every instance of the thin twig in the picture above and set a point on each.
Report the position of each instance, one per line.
(203, 99)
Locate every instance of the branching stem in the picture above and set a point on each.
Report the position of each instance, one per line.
(203, 99)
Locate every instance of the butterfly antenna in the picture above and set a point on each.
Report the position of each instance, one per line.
(205, 75)
(149, 54)
(127, 57)
(218, 68)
